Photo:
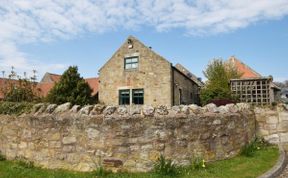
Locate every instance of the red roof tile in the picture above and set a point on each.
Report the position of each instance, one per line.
(93, 83)
(45, 87)
(55, 77)
(244, 69)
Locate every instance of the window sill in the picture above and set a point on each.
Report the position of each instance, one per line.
(131, 70)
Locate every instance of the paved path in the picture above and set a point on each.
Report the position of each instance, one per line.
(284, 174)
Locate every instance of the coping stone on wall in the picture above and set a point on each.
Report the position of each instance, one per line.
(63, 108)
(86, 110)
(50, 108)
(148, 110)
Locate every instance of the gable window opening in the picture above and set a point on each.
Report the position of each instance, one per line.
(138, 96)
(131, 63)
(124, 97)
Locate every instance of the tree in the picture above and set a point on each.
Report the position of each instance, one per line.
(71, 88)
(283, 84)
(19, 90)
(16, 89)
(217, 86)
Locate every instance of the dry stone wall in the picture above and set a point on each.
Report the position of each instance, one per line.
(125, 138)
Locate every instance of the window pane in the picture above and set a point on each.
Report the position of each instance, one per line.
(138, 96)
(134, 59)
(138, 91)
(128, 66)
(128, 60)
(134, 66)
(124, 97)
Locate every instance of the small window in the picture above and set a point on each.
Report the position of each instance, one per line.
(138, 96)
(180, 96)
(124, 97)
(131, 63)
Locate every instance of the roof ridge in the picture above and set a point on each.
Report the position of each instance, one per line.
(91, 78)
(53, 74)
(234, 60)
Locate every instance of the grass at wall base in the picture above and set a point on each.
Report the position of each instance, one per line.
(239, 167)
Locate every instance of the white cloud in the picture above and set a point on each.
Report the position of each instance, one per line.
(26, 21)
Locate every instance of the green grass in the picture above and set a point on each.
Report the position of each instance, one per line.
(238, 167)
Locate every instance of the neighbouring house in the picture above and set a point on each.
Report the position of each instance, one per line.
(46, 84)
(48, 81)
(284, 95)
(135, 74)
(253, 87)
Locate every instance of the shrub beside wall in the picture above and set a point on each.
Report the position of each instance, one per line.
(15, 108)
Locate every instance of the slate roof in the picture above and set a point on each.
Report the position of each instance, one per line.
(190, 75)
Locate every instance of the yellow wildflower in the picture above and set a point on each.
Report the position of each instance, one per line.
(203, 163)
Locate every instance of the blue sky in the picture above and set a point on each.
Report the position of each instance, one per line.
(49, 36)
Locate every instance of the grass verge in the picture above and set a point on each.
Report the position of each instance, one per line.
(238, 167)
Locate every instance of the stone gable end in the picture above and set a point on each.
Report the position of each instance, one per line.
(153, 75)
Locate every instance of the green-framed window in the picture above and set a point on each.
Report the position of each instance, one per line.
(124, 97)
(138, 96)
(131, 62)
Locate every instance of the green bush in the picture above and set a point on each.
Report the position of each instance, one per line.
(71, 88)
(2, 157)
(16, 108)
(217, 86)
(23, 163)
(251, 148)
(21, 90)
(197, 163)
(101, 172)
(165, 166)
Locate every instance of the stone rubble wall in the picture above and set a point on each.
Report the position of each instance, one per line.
(272, 124)
(125, 138)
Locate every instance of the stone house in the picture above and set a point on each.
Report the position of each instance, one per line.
(252, 87)
(135, 74)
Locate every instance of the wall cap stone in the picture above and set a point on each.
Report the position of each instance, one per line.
(63, 108)
(144, 110)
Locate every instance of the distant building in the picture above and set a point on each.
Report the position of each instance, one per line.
(252, 87)
(48, 81)
(135, 74)
(284, 95)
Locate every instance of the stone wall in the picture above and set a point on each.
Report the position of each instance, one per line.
(272, 123)
(125, 138)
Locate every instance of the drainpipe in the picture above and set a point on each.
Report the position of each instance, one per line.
(172, 85)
